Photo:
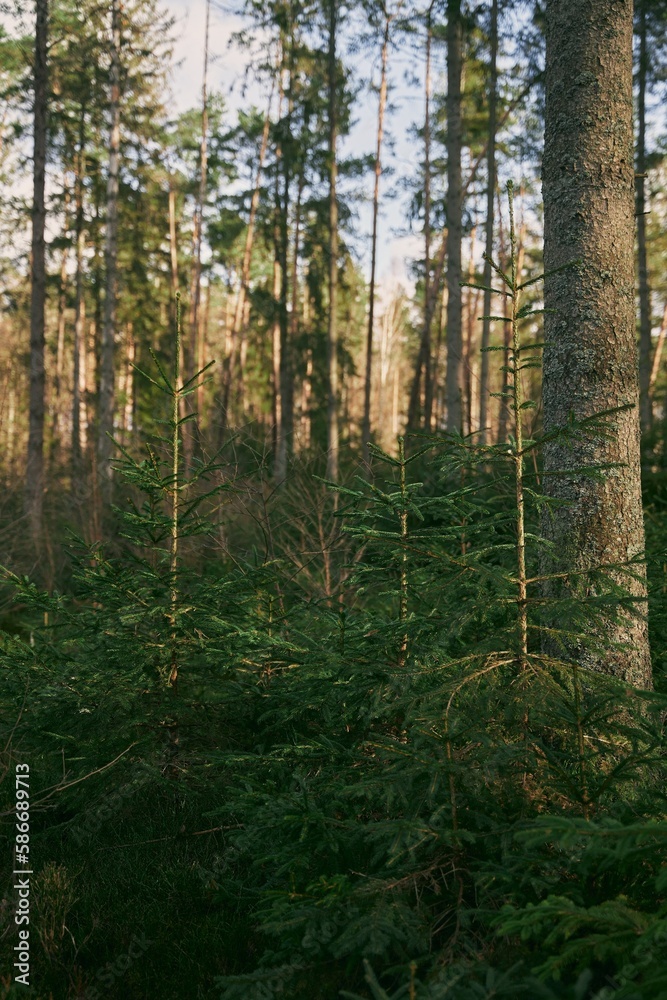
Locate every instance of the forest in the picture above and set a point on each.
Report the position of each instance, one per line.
(333, 593)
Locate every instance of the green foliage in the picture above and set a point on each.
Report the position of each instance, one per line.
(370, 781)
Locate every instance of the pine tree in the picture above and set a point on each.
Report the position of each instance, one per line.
(35, 459)
(590, 359)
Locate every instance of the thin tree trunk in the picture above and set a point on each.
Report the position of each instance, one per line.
(394, 409)
(189, 428)
(35, 458)
(293, 330)
(202, 342)
(642, 268)
(471, 313)
(229, 371)
(505, 408)
(108, 345)
(57, 416)
(275, 359)
(366, 421)
(128, 410)
(437, 357)
(454, 380)
(173, 247)
(424, 354)
(590, 357)
(79, 346)
(655, 367)
(435, 282)
(11, 428)
(332, 329)
(490, 194)
(195, 292)
(285, 441)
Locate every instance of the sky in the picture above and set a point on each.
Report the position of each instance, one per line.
(226, 75)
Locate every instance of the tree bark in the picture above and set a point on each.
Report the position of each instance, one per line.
(285, 439)
(454, 379)
(57, 415)
(590, 357)
(79, 346)
(229, 372)
(188, 430)
(276, 366)
(366, 421)
(657, 354)
(642, 266)
(108, 344)
(332, 329)
(173, 248)
(35, 458)
(424, 355)
(490, 194)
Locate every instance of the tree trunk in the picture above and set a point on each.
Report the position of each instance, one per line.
(424, 354)
(642, 267)
(366, 421)
(490, 194)
(57, 415)
(454, 380)
(294, 305)
(472, 310)
(332, 330)
(590, 357)
(79, 346)
(173, 248)
(35, 458)
(229, 372)
(285, 439)
(128, 409)
(202, 346)
(275, 359)
(657, 354)
(108, 345)
(188, 430)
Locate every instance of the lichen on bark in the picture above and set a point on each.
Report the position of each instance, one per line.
(590, 356)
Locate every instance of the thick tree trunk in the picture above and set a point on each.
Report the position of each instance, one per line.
(108, 345)
(332, 329)
(590, 358)
(368, 380)
(454, 374)
(642, 266)
(490, 194)
(35, 459)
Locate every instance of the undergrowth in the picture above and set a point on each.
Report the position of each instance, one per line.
(370, 779)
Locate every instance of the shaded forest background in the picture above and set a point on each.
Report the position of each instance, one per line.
(324, 630)
(235, 212)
